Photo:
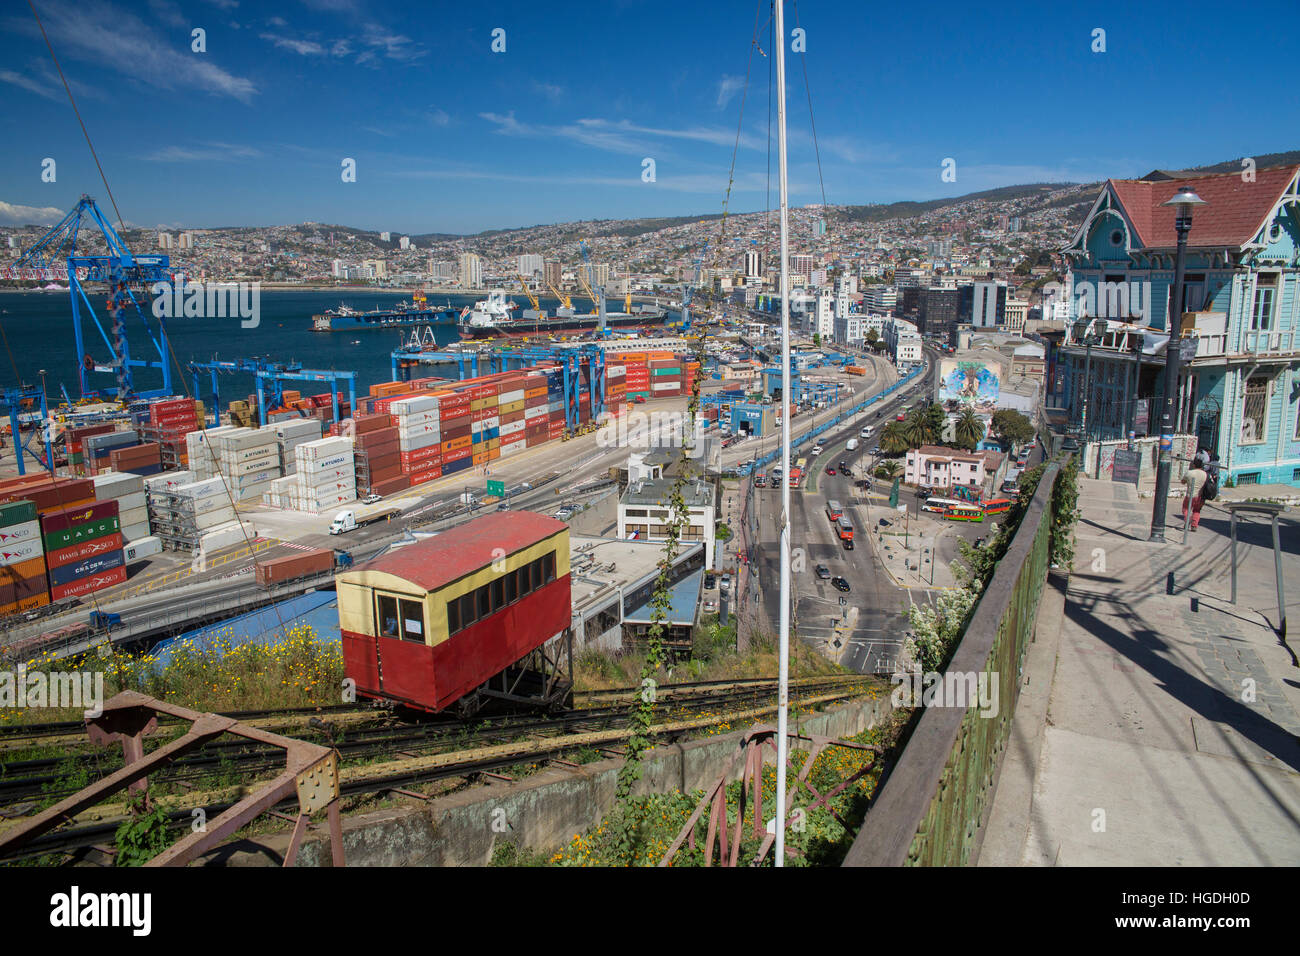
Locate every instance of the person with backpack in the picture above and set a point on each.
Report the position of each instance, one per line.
(1194, 481)
(1211, 489)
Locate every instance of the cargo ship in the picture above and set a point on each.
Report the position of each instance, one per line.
(415, 312)
(491, 318)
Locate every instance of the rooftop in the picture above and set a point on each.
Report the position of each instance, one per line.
(602, 566)
(697, 494)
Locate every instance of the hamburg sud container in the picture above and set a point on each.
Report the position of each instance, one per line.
(84, 549)
(23, 583)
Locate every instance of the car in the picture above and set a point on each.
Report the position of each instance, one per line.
(830, 470)
(372, 499)
(823, 572)
(816, 450)
(725, 583)
(710, 607)
(865, 433)
(840, 584)
(844, 467)
(848, 544)
(878, 414)
(504, 506)
(565, 513)
(710, 580)
(1010, 488)
(875, 449)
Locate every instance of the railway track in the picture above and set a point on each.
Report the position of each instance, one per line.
(414, 754)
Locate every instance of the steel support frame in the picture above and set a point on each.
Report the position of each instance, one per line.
(310, 773)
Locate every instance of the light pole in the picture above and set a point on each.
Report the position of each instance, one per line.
(1185, 201)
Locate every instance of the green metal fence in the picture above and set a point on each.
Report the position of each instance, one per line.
(929, 811)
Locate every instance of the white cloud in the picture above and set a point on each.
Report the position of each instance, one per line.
(30, 84)
(112, 37)
(438, 117)
(203, 152)
(303, 47)
(278, 22)
(550, 90)
(394, 46)
(728, 87)
(509, 126)
(16, 215)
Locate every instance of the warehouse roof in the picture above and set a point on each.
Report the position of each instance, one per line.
(466, 548)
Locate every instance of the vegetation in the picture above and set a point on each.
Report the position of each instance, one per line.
(142, 835)
(1011, 427)
(968, 430)
(894, 439)
(888, 470)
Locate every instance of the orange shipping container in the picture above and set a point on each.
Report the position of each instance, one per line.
(456, 444)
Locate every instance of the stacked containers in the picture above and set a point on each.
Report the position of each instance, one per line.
(132, 503)
(99, 447)
(534, 414)
(637, 374)
(485, 423)
(250, 459)
(376, 454)
(168, 423)
(555, 423)
(456, 430)
(143, 459)
(23, 583)
(201, 453)
(324, 476)
(419, 437)
(182, 514)
(292, 433)
(615, 389)
(76, 438)
(84, 549)
(665, 377)
(156, 490)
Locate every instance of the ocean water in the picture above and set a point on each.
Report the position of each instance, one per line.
(38, 331)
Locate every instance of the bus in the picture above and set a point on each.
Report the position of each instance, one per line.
(940, 505)
(833, 510)
(964, 513)
(845, 529)
(997, 506)
(796, 476)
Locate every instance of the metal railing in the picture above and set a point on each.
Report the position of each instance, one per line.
(929, 810)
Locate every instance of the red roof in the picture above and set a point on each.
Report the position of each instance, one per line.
(1235, 213)
(466, 548)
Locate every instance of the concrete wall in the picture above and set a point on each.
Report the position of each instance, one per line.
(542, 812)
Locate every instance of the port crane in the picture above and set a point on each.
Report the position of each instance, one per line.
(56, 255)
(597, 297)
(689, 292)
(537, 311)
(22, 404)
(270, 377)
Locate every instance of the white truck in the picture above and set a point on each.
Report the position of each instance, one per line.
(348, 521)
(853, 443)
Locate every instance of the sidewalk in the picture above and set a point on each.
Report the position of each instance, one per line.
(1136, 740)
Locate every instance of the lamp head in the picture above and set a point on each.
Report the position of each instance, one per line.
(1185, 200)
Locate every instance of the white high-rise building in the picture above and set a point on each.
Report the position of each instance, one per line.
(385, 237)
(825, 323)
(531, 265)
(166, 240)
(753, 264)
(336, 267)
(471, 271)
(405, 242)
(187, 240)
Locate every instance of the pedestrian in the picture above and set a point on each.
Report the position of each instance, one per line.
(1194, 481)
(1202, 457)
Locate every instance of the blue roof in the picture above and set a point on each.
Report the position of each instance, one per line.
(265, 626)
(684, 596)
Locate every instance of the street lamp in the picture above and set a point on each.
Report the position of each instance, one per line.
(1186, 201)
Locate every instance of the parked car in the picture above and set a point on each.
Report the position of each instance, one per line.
(710, 581)
(710, 607)
(372, 499)
(840, 584)
(725, 583)
(565, 513)
(823, 572)
(504, 506)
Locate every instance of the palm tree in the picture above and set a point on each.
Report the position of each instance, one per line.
(888, 469)
(969, 429)
(894, 439)
(916, 427)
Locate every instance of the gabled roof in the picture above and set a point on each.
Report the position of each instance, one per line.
(1236, 210)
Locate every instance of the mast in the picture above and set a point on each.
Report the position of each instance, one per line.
(783, 692)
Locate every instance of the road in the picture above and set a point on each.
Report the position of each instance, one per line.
(871, 637)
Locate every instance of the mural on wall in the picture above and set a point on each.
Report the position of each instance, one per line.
(969, 383)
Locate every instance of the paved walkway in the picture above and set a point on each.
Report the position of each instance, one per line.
(1152, 731)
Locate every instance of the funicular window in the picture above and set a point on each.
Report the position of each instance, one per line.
(498, 589)
(548, 567)
(512, 587)
(412, 621)
(400, 618)
(484, 603)
(388, 618)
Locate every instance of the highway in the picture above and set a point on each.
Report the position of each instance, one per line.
(876, 610)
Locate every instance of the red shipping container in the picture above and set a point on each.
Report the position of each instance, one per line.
(87, 585)
(376, 436)
(84, 549)
(63, 518)
(366, 424)
(432, 453)
(294, 566)
(513, 438)
(449, 456)
(391, 486)
(53, 495)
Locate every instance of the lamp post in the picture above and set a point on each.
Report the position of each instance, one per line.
(1185, 201)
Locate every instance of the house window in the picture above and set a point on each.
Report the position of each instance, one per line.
(1253, 408)
(1249, 478)
(1261, 315)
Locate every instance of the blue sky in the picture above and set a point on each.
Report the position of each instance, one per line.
(449, 136)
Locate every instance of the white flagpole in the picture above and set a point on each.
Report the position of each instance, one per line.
(783, 693)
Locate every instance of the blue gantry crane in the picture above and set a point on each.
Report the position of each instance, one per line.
(270, 377)
(23, 404)
(56, 255)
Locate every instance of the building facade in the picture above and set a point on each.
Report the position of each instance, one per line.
(1239, 387)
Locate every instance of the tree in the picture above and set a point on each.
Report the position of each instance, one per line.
(893, 439)
(888, 469)
(873, 339)
(1011, 426)
(817, 338)
(969, 429)
(936, 419)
